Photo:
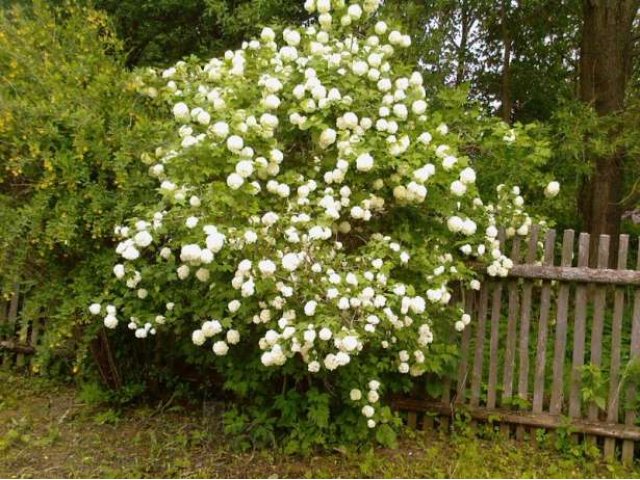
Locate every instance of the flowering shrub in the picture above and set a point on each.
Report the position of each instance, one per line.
(314, 217)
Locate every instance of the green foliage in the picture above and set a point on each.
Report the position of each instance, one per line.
(160, 32)
(594, 385)
(71, 131)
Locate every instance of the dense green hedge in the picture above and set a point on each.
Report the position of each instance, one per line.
(71, 133)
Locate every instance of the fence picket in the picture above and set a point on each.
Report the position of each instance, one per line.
(463, 367)
(525, 319)
(36, 327)
(598, 321)
(476, 378)
(543, 324)
(579, 332)
(12, 318)
(494, 337)
(496, 304)
(630, 414)
(4, 306)
(555, 405)
(616, 334)
(510, 347)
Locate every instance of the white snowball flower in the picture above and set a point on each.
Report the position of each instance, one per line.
(95, 308)
(368, 411)
(181, 112)
(220, 348)
(364, 162)
(183, 272)
(130, 253)
(244, 168)
(325, 334)
(290, 261)
(327, 137)
(455, 224)
(234, 181)
(110, 321)
(235, 143)
(355, 395)
(118, 271)
(198, 337)
(203, 118)
(211, 328)
(349, 343)
(380, 28)
(552, 189)
(310, 308)
(267, 267)
(458, 188)
(234, 306)
(143, 239)
(233, 337)
(468, 176)
(191, 222)
(267, 35)
(220, 129)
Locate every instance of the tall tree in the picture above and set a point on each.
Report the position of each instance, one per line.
(605, 66)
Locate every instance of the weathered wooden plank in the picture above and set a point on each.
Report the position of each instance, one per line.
(463, 366)
(543, 324)
(12, 317)
(496, 305)
(555, 405)
(535, 420)
(428, 422)
(15, 347)
(573, 274)
(412, 419)
(35, 336)
(510, 345)
(630, 414)
(597, 325)
(476, 378)
(4, 306)
(579, 332)
(446, 400)
(525, 319)
(23, 336)
(616, 338)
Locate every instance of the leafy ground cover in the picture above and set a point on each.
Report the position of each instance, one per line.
(49, 430)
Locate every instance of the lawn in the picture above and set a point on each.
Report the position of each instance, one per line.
(47, 431)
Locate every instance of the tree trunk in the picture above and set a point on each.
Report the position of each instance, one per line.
(507, 103)
(604, 65)
(464, 40)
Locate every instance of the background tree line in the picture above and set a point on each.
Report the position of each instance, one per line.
(571, 64)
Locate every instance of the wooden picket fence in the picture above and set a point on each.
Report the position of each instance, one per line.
(19, 337)
(555, 345)
(550, 347)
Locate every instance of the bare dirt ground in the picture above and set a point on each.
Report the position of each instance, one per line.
(46, 431)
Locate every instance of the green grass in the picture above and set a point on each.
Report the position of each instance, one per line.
(46, 431)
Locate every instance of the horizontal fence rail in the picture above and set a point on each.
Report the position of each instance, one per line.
(553, 346)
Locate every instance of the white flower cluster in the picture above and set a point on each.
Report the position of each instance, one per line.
(368, 410)
(303, 177)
